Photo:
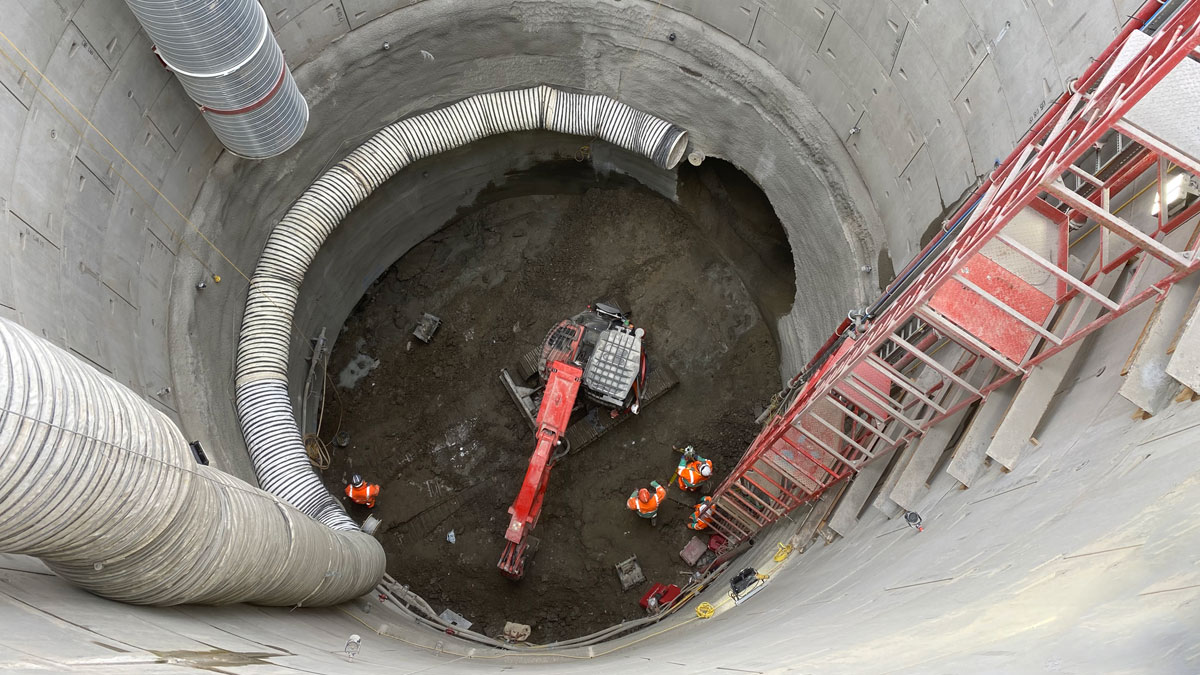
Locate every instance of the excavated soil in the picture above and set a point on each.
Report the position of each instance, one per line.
(434, 426)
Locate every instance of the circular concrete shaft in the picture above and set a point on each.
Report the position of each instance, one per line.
(1082, 561)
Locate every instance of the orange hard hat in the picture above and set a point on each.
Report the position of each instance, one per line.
(644, 495)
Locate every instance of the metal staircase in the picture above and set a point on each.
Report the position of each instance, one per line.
(1001, 290)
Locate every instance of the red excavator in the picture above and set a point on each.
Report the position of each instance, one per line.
(599, 351)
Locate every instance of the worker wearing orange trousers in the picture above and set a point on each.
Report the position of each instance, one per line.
(645, 502)
(693, 470)
(702, 517)
(361, 492)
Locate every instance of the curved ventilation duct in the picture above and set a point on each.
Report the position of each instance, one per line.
(230, 64)
(103, 488)
(263, 407)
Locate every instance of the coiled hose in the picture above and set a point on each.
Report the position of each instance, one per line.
(104, 489)
(264, 409)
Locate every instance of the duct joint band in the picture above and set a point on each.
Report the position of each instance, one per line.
(253, 106)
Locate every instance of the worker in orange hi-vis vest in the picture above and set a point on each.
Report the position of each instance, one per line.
(693, 470)
(645, 502)
(361, 492)
(702, 517)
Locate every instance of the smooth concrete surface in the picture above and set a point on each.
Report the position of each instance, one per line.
(1147, 383)
(971, 454)
(1039, 387)
(845, 516)
(1080, 560)
(928, 377)
(883, 501)
(1184, 366)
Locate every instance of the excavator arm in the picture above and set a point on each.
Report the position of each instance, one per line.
(562, 386)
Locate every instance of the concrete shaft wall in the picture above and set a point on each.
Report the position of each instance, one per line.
(938, 89)
(98, 261)
(1082, 560)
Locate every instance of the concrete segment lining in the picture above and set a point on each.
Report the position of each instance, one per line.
(1020, 573)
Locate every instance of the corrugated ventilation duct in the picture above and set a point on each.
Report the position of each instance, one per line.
(104, 489)
(228, 61)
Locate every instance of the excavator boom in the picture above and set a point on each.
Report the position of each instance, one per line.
(562, 387)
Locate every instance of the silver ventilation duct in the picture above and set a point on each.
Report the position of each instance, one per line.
(103, 488)
(228, 61)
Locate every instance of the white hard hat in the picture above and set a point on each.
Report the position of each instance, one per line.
(705, 470)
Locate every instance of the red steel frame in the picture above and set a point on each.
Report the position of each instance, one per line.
(859, 405)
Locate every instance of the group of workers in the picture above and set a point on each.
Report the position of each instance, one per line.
(691, 473)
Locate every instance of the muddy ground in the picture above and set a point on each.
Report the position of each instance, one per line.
(434, 426)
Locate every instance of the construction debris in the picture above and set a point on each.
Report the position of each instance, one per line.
(630, 573)
(692, 552)
(516, 632)
(426, 327)
(455, 619)
(659, 597)
(371, 525)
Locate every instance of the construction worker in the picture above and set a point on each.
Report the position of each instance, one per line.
(645, 502)
(361, 492)
(702, 517)
(693, 470)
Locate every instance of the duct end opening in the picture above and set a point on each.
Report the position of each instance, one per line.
(675, 154)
